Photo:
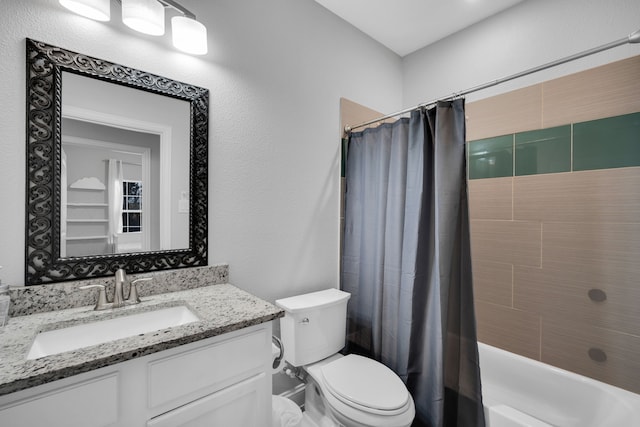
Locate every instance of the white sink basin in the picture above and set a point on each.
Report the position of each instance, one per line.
(87, 334)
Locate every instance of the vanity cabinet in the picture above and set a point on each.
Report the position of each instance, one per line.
(219, 381)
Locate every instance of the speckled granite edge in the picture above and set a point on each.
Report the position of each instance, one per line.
(59, 296)
(221, 308)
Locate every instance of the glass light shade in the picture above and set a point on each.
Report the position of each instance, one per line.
(189, 35)
(100, 10)
(145, 16)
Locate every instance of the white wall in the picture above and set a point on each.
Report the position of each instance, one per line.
(530, 34)
(276, 70)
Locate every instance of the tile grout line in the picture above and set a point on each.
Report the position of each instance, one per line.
(571, 145)
(541, 241)
(542, 105)
(513, 268)
(513, 155)
(513, 196)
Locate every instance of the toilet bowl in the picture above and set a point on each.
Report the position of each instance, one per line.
(351, 390)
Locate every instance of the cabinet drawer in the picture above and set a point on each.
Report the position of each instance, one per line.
(92, 403)
(193, 374)
(240, 405)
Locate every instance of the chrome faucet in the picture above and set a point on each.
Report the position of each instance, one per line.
(118, 299)
(118, 295)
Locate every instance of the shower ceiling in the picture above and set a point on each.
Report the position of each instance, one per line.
(405, 26)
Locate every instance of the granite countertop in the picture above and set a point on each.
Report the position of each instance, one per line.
(221, 308)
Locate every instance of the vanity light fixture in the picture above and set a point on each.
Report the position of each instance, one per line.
(189, 35)
(100, 10)
(147, 16)
(144, 16)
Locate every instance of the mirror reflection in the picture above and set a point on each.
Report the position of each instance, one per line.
(124, 170)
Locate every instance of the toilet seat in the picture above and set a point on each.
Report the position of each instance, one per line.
(365, 384)
(351, 413)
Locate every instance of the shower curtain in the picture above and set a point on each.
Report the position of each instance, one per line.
(406, 261)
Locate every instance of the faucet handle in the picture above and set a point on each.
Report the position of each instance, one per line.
(133, 292)
(102, 303)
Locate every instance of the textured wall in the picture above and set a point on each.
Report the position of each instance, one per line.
(531, 33)
(276, 71)
(555, 255)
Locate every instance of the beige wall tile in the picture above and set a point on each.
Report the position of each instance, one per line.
(493, 282)
(564, 293)
(511, 112)
(569, 233)
(607, 251)
(566, 345)
(608, 195)
(509, 242)
(606, 91)
(491, 198)
(512, 330)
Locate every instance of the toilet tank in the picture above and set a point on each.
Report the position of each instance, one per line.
(314, 325)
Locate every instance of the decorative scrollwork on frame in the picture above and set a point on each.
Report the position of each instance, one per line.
(45, 64)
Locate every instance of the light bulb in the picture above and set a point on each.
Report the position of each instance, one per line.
(145, 16)
(189, 35)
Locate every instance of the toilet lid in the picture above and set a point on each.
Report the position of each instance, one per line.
(365, 382)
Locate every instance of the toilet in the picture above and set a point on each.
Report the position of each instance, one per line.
(349, 391)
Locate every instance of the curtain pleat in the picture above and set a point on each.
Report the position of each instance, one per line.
(407, 264)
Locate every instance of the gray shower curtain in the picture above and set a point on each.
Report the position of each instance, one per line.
(406, 261)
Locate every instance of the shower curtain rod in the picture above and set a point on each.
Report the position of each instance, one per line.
(631, 38)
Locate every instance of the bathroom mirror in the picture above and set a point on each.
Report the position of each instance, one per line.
(116, 168)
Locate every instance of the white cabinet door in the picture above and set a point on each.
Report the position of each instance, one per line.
(92, 403)
(241, 405)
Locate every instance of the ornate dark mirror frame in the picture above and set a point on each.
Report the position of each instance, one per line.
(45, 64)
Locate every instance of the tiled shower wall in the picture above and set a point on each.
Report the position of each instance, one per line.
(554, 193)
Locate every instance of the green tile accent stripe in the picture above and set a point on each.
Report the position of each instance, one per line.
(613, 142)
(607, 143)
(543, 151)
(491, 157)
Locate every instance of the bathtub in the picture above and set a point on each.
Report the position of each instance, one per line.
(521, 392)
